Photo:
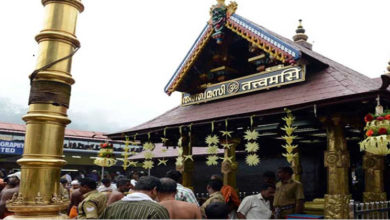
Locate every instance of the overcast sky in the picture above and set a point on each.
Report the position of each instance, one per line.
(130, 49)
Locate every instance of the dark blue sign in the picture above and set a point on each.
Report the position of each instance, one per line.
(11, 147)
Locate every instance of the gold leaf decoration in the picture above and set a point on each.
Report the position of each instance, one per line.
(252, 160)
(226, 133)
(227, 159)
(212, 149)
(148, 146)
(289, 120)
(289, 130)
(188, 157)
(180, 151)
(289, 139)
(133, 163)
(289, 148)
(226, 146)
(148, 155)
(251, 135)
(180, 142)
(162, 162)
(290, 157)
(179, 161)
(251, 147)
(148, 164)
(212, 160)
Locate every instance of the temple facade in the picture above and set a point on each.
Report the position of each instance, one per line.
(278, 102)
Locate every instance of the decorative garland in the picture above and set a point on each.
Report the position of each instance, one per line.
(227, 134)
(377, 134)
(180, 159)
(164, 140)
(289, 137)
(251, 147)
(148, 155)
(126, 153)
(212, 141)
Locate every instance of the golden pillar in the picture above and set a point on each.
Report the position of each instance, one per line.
(373, 166)
(39, 193)
(336, 161)
(229, 165)
(296, 166)
(188, 165)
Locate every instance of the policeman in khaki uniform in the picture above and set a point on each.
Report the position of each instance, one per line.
(94, 202)
(289, 197)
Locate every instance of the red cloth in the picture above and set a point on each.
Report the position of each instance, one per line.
(230, 195)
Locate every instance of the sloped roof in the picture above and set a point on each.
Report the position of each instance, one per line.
(171, 152)
(18, 128)
(334, 81)
(253, 33)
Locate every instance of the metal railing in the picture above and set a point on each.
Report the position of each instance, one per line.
(369, 210)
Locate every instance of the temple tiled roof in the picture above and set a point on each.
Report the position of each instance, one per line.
(19, 128)
(333, 81)
(171, 152)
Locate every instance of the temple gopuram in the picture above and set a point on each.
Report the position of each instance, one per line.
(278, 102)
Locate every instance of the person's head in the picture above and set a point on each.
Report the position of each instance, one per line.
(167, 188)
(217, 210)
(216, 176)
(14, 179)
(148, 185)
(64, 182)
(135, 175)
(269, 177)
(123, 185)
(214, 185)
(106, 182)
(87, 185)
(75, 184)
(267, 191)
(285, 173)
(175, 175)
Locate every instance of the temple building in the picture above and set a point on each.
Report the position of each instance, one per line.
(278, 102)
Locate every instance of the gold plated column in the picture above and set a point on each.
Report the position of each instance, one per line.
(187, 169)
(229, 167)
(336, 161)
(373, 166)
(39, 194)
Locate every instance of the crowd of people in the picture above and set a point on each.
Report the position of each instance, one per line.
(149, 197)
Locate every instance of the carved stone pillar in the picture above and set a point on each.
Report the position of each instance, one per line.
(337, 162)
(373, 166)
(188, 165)
(229, 166)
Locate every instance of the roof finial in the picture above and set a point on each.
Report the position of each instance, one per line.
(300, 33)
(386, 78)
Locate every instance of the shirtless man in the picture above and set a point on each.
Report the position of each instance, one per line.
(123, 187)
(8, 191)
(177, 209)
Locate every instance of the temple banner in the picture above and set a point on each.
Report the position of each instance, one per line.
(247, 84)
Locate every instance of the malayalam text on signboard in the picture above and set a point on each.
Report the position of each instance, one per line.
(255, 82)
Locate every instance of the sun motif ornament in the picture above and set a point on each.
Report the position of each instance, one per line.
(133, 163)
(212, 160)
(148, 146)
(148, 164)
(289, 137)
(162, 162)
(252, 160)
(148, 155)
(212, 149)
(251, 135)
(377, 132)
(188, 157)
(212, 140)
(252, 147)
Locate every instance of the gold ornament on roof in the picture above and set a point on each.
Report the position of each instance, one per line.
(162, 162)
(251, 147)
(226, 133)
(188, 157)
(212, 140)
(251, 135)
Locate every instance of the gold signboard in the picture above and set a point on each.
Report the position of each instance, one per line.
(247, 84)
